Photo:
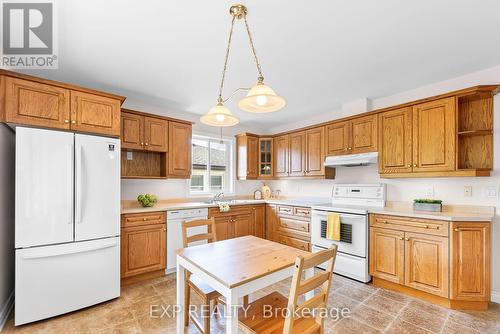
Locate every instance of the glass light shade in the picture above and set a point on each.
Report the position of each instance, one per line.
(219, 115)
(261, 99)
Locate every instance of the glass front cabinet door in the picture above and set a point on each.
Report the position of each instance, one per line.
(265, 158)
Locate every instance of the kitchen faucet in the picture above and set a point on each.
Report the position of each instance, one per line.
(218, 197)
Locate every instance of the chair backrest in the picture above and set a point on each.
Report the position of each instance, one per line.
(321, 281)
(209, 236)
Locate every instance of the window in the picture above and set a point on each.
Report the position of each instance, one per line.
(197, 182)
(212, 165)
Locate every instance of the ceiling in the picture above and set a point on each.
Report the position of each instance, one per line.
(317, 54)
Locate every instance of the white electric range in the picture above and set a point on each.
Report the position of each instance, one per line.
(352, 202)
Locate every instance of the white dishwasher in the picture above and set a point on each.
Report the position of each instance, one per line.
(174, 231)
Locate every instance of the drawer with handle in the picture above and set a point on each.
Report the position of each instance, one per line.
(140, 219)
(427, 226)
(285, 210)
(302, 212)
(296, 243)
(294, 224)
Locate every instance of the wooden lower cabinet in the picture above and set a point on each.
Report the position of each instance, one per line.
(143, 246)
(470, 261)
(446, 263)
(426, 263)
(271, 222)
(223, 227)
(242, 226)
(259, 218)
(240, 221)
(289, 225)
(387, 254)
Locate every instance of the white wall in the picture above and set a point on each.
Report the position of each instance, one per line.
(7, 147)
(451, 190)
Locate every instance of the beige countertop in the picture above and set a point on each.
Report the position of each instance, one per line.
(449, 213)
(132, 206)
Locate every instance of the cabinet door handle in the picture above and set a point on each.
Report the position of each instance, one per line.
(66, 121)
(73, 122)
(407, 239)
(146, 144)
(144, 219)
(401, 238)
(409, 165)
(384, 221)
(414, 165)
(142, 144)
(426, 226)
(456, 229)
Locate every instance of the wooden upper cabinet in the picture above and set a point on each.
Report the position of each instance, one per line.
(253, 157)
(179, 150)
(132, 131)
(395, 141)
(387, 249)
(266, 162)
(470, 261)
(426, 263)
(281, 153)
(315, 151)
(297, 153)
(155, 134)
(33, 103)
(434, 136)
(95, 114)
(38, 102)
(337, 138)
(247, 153)
(364, 133)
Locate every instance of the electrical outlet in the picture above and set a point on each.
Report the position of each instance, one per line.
(130, 155)
(429, 192)
(468, 191)
(491, 192)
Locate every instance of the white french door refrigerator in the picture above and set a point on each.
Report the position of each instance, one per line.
(67, 233)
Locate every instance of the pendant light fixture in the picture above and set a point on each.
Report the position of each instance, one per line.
(260, 98)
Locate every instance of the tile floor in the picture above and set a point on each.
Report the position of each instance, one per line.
(372, 310)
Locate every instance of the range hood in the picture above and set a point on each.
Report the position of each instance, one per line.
(351, 160)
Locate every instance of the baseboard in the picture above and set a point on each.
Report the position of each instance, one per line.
(6, 309)
(495, 296)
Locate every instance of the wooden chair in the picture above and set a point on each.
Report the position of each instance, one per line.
(257, 320)
(207, 293)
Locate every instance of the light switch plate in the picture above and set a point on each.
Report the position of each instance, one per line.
(491, 192)
(429, 192)
(468, 191)
(130, 155)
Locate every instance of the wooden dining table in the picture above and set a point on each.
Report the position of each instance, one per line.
(235, 268)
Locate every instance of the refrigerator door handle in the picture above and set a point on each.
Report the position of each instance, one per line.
(52, 253)
(69, 186)
(78, 192)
